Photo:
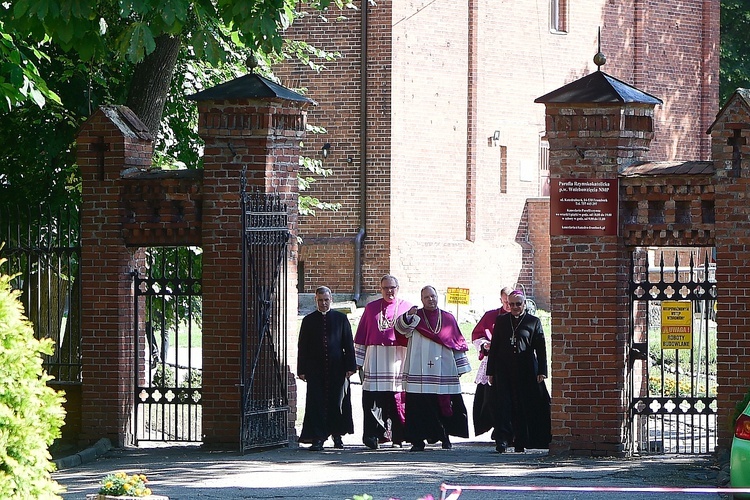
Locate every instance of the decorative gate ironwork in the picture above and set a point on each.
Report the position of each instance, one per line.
(168, 350)
(672, 356)
(265, 400)
(42, 249)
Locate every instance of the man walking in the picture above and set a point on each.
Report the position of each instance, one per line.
(325, 360)
(435, 359)
(380, 353)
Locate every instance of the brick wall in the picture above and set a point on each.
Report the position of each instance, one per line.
(441, 79)
(589, 283)
(267, 145)
(732, 255)
(107, 147)
(538, 221)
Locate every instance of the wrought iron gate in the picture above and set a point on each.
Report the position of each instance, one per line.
(42, 252)
(168, 350)
(672, 356)
(265, 400)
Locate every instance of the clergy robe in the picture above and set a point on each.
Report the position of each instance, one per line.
(482, 413)
(434, 362)
(518, 353)
(381, 352)
(325, 354)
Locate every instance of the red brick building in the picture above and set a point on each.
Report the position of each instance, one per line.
(437, 147)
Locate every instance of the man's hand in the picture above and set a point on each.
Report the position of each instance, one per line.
(491, 379)
(302, 377)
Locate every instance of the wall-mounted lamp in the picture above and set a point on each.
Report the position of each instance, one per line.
(325, 149)
(495, 138)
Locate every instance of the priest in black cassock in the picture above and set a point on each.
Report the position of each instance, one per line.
(516, 370)
(325, 360)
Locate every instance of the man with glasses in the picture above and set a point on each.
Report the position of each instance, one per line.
(516, 369)
(380, 355)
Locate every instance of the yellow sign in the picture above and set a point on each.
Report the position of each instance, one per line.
(458, 296)
(677, 324)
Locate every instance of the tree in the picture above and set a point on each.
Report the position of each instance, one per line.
(150, 34)
(734, 70)
(19, 77)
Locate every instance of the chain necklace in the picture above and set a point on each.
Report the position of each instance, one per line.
(438, 325)
(384, 323)
(514, 327)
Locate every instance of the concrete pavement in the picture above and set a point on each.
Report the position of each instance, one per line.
(193, 473)
(183, 473)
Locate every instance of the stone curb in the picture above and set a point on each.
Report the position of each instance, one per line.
(85, 456)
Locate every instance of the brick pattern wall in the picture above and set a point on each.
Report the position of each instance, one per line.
(341, 112)
(162, 208)
(436, 188)
(107, 306)
(264, 138)
(537, 210)
(589, 283)
(732, 255)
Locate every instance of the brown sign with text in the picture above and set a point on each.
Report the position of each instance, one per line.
(583, 206)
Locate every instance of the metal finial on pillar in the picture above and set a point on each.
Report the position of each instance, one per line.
(599, 59)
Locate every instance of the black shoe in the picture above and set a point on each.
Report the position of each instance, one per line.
(519, 449)
(501, 446)
(371, 443)
(337, 443)
(317, 445)
(418, 446)
(447, 443)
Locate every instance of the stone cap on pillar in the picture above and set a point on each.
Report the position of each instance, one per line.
(250, 86)
(598, 87)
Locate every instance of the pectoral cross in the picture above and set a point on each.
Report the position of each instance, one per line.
(430, 364)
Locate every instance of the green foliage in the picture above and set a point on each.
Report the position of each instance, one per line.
(20, 80)
(308, 204)
(193, 380)
(734, 71)
(92, 27)
(31, 413)
(164, 376)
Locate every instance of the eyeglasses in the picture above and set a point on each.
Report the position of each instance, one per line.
(516, 303)
(389, 287)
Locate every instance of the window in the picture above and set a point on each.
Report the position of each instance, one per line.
(543, 167)
(558, 10)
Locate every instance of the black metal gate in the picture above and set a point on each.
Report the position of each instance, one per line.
(265, 401)
(168, 349)
(42, 253)
(672, 355)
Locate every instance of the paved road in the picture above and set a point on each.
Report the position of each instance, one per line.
(183, 473)
(192, 473)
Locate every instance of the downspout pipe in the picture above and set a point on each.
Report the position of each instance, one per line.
(362, 232)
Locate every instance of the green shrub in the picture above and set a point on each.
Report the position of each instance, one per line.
(164, 377)
(31, 414)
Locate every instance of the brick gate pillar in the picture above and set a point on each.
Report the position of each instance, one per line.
(254, 123)
(113, 139)
(594, 126)
(730, 138)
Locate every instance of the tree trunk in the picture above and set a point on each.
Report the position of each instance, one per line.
(151, 82)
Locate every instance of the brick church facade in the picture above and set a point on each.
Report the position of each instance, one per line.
(437, 148)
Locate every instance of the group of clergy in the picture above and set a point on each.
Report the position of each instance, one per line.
(410, 360)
